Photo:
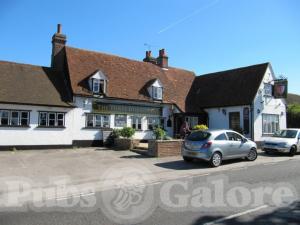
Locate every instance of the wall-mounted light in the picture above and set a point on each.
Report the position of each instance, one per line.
(258, 111)
(224, 111)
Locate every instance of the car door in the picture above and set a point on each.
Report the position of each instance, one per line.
(238, 148)
(221, 142)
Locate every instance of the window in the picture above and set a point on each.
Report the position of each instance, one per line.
(157, 93)
(136, 122)
(221, 137)
(96, 85)
(192, 121)
(234, 121)
(99, 86)
(51, 119)
(199, 136)
(267, 89)
(270, 123)
(97, 120)
(234, 136)
(120, 120)
(4, 117)
(153, 122)
(14, 118)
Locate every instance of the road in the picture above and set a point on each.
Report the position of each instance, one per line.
(164, 205)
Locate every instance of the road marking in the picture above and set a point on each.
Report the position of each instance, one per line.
(236, 215)
(239, 168)
(269, 163)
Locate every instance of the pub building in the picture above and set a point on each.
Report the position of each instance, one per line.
(84, 94)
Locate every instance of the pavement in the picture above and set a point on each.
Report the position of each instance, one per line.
(99, 175)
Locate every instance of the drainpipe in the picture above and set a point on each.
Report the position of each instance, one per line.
(252, 120)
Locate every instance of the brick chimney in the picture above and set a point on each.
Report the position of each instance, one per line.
(58, 52)
(149, 58)
(162, 59)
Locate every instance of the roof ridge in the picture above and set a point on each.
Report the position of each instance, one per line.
(234, 69)
(122, 57)
(24, 64)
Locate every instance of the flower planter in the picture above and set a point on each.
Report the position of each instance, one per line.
(125, 143)
(164, 148)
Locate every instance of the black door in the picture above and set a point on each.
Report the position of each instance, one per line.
(234, 121)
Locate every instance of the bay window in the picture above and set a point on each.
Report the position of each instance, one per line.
(270, 123)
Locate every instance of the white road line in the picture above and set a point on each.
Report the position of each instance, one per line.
(269, 163)
(239, 168)
(236, 215)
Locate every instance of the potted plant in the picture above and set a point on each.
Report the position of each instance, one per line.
(124, 140)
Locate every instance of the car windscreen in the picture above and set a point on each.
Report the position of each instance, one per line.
(198, 136)
(286, 134)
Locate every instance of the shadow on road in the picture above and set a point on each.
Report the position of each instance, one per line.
(284, 215)
(196, 164)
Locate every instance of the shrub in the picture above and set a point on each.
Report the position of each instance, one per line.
(159, 133)
(127, 132)
(200, 127)
(116, 133)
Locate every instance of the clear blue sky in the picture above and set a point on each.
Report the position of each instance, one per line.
(200, 35)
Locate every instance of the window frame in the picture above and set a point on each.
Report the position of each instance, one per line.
(155, 93)
(102, 120)
(125, 125)
(268, 87)
(135, 121)
(278, 122)
(99, 83)
(19, 118)
(48, 113)
(152, 124)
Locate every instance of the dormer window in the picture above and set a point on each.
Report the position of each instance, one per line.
(99, 86)
(157, 93)
(155, 90)
(98, 83)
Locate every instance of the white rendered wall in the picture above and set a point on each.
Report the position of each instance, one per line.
(267, 105)
(220, 120)
(12, 136)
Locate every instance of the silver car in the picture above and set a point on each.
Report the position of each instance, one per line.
(217, 145)
(286, 141)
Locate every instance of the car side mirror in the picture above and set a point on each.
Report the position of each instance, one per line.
(244, 140)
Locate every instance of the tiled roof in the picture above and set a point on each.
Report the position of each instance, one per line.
(127, 79)
(28, 84)
(226, 88)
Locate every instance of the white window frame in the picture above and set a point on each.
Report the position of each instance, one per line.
(96, 86)
(102, 120)
(157, 93)
(150, 120)
(9, 118)
(135, 121)
(272, 126)
(268, 89)
(48, 118)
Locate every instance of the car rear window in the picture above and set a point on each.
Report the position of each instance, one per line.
(199, 136)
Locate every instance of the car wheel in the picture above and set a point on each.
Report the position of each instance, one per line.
(252, 155)
(293, 151)
(187, 159)
(216, 159)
